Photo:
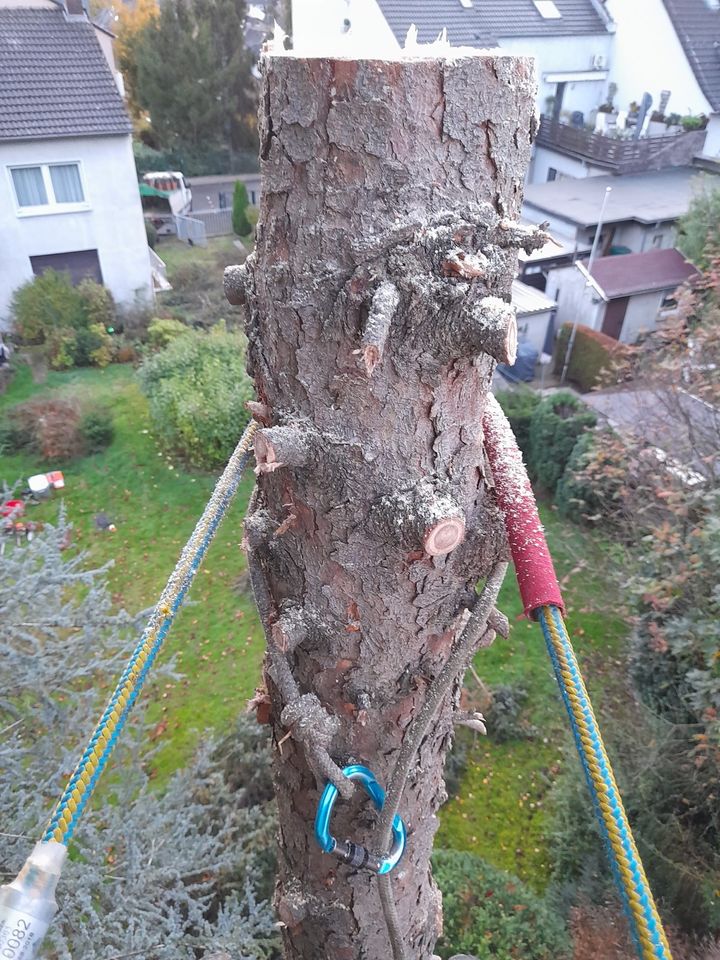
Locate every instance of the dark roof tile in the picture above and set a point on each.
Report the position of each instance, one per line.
(54, 79)
(697, 24)
(633, 273)
(486, 21)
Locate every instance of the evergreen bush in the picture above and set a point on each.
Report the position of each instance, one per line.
(151, 234)
(70, 322)
(492, 915)
(518, 406)
(504, 715)
(198, 387)
(577, 498)
(171, 875)
(96, 430)
(240, 222)
(555, 426)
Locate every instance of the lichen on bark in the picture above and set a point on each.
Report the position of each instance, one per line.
(384, 261)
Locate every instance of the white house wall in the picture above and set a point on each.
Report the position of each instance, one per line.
(640, 237)
(113, 225)
(563, 55)
(319, 29)
(575, 300)
(566, 167)
(641, 314)
(712, 140)
(533, 329)
(649, 57)
(557, 225)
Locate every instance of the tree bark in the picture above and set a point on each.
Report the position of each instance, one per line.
(375, 303)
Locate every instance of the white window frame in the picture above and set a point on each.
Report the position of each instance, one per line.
(52, 206)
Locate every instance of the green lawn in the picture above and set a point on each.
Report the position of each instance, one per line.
(155, 505)
(177, 254)
(500, 811)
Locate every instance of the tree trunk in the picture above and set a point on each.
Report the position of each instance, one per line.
(376, 306)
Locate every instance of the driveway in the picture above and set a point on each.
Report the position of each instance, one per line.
(682, 426)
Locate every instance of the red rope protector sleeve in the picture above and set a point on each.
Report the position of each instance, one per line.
(533, 565)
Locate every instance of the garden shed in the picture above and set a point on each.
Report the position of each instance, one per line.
(620, 296)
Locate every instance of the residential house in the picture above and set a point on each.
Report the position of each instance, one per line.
(641, 213)
(667, 47)
(620, 296)
(665, 50)
(571, 39)
(68, 187)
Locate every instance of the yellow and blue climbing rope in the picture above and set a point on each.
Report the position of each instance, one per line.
(542, 600)
(645, 923)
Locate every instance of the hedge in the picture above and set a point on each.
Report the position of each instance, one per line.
(555, 426)
(592, 353)
(518, 406)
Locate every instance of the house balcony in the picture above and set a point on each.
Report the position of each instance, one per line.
(620, 155)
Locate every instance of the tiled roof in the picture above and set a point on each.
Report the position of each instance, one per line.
(54, 79)
(486, 21)
(642, 272)
(697, 24)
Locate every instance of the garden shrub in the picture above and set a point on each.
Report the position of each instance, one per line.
(70, 322)
(197, 387)
(619, 485)
(50, 426)
(151, 234)
(57, 428)
(555, 426)
(518, 406)
(96, 430)
(126, 353)
(593, 352)
(240, 222)
(492, 915)
(504, 715)
(163, 330)
(12, 438)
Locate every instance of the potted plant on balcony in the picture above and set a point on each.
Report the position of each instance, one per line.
(606, 116)
(657, 127)
(694, 122)
(673, 122)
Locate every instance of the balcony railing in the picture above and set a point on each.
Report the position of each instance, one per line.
(617, 155)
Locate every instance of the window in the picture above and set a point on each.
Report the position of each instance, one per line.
(48, 188)
(29, 187)
(552, 174)
(547, 9)
(657, 241)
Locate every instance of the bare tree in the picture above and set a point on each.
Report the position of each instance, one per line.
(377, 303)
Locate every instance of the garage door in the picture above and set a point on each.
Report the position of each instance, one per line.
(78, 263)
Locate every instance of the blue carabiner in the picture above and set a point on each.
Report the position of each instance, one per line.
(352, 853)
